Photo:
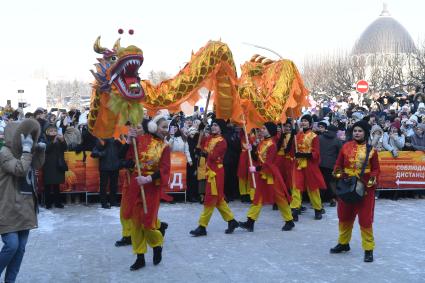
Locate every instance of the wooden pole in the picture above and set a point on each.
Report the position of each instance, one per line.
(254, 184)
(294, 127)
(139, 173)
(204, 120)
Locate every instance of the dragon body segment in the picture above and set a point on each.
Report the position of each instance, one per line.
(266, 90)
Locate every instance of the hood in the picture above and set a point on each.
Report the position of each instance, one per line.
(376, 128)
(329, 134)
(13, 131)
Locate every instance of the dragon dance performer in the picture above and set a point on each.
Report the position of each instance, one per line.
(214, 148)
(284, 159)
(306, 171)
(270, 185)
(349, 163)
(154, 156)
(243, 169)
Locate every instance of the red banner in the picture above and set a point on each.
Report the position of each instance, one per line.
(407, 171)
(84, 176)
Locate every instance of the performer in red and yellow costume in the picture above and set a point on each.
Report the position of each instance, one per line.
(214, 148)
(306, 171)
(270, 185)
(154, 157)
(245, 182)
(349, 163)
(284, 158)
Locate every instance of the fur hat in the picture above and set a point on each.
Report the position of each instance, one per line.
(221, 123)
(364, 125)
(153, 124)
(271, 128)
(308, 118)
(332, 128)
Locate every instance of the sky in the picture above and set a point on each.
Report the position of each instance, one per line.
(54, 39)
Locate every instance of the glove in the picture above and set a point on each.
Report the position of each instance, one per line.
(201, 126)
(394, 153)
(204, 154)
(142, 180)
(27, 143)
(303, 155)
(252, 169)
(41, 146)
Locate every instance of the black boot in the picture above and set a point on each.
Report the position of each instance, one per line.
(157, 255)
(295, 213)
(200, 231)
(302, 209)
(317, 214)
(231, 226)
(323, 211)
(288, 226)
(125, 241)
(162, 228)
(59, 205)
(139, 263)
(340, 248)
(368, 256)
(248, 225)
(332, 203)
(275, 207)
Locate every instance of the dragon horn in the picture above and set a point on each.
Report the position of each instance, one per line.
(97, 48)
(117, 44)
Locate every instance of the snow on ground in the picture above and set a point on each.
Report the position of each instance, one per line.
(76, 244)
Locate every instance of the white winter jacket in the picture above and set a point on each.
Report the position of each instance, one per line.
(179, 145)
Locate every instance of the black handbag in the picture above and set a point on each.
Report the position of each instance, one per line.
(352, 189)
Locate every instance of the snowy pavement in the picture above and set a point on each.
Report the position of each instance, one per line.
(76, 244)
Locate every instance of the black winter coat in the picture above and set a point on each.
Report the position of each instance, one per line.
(54, 152)
(330, 146)
(110, 154)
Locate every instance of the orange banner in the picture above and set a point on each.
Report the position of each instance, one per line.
(407, 171)
(177, 181)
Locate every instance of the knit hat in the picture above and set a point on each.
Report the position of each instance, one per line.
(332, 128)
(396, 124)
(323, 123)
(364, 125)
(421, 105)
(308, 118)
(50, 126)
(271, 128)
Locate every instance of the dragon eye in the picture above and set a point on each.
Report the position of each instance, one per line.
(114, 58)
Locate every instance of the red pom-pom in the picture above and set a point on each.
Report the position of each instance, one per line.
(120, 31)
(130, 31)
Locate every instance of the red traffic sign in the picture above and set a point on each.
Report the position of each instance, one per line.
(362, 86)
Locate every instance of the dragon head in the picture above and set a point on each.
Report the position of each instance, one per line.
(118, 70)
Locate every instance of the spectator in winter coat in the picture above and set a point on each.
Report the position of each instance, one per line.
(54, 167)
(330, 146)
(110, 152)
(19, 157)
(418, 139)
(377, 137)
(393, 141)
(177, 144)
